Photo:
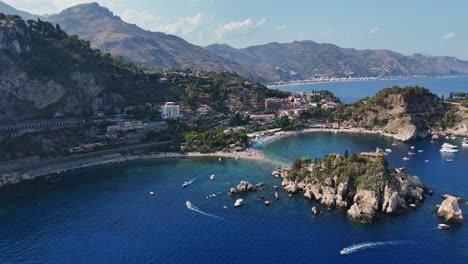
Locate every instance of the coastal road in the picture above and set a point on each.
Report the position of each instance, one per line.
(22, 166)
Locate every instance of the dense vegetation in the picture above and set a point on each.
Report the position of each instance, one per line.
(360, 172)
(214, 140)
(88, 79)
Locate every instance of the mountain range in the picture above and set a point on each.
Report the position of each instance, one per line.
(44, 71)
(266, 63)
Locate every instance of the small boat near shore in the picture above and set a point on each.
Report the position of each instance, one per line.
(238, 202)
(388, 150)
(212, 177)
(185, 184)
(465, 142)
(448, 148)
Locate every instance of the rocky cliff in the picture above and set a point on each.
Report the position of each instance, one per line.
(365, 186)
(44, 71)
(405, 113)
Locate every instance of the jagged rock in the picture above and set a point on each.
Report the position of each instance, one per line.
(276, 174)
(291, 187)
(232, 191)
(364, 209)
(312, 192)
(315, 211)
(245, 187)
(390, 200)
(444, 196)
(450, 211)
(328, 197)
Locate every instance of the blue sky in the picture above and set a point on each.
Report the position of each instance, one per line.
(430, 27)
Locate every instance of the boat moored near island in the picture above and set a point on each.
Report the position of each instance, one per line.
(449, 148)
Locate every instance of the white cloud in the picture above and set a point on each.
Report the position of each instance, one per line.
(282, 27)
(374, 30)
(449, 36)
(183, 26)
(238, 27)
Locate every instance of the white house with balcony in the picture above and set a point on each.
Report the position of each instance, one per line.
(170, 110)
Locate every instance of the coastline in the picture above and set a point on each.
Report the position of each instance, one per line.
(309, 82)
(13, 177)
(272, 138)
(17, 176)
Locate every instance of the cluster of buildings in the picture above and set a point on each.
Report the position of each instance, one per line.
(295, 104)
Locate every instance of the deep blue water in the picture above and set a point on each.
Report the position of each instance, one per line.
(352, 91)
(105, 215)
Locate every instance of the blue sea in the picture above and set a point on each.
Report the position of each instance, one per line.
(106, 215)
(351, 91)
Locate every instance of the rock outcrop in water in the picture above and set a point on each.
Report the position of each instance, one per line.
(450, 210)
(364, 185)
(245, 187)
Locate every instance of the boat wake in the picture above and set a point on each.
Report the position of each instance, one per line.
(362, 246)
(190, 182)
(192, 207)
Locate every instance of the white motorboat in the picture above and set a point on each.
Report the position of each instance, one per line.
(185, 184)
(443, 226)
(212, 177)
(449, 160)
(405, 158)
(420, 150)
(426, 161)
(412, 147)
(388, 150)
(151, 193)
(411, 153)
(449, 148)
(238, 202)
(453, 137)
(465, 142)
(188, 204)
(344, 251)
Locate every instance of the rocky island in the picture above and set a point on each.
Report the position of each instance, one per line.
(363, 184)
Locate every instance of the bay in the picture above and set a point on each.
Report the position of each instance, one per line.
(351, 91)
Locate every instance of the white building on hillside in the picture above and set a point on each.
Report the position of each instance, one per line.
(170, 110)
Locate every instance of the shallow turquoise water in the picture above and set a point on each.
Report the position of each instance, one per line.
(105, 215)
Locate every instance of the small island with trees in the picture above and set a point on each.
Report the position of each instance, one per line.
(361, 183)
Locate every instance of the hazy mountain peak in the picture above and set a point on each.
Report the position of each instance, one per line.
(7, 9)
(88, 9)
